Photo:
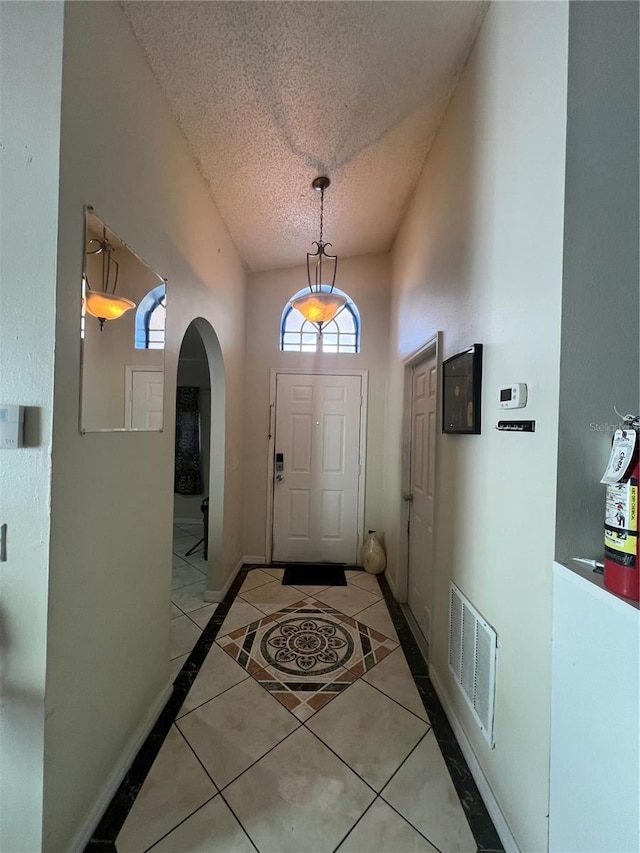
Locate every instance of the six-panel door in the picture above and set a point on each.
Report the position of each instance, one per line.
(315, 502)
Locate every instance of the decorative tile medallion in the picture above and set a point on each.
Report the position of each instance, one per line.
(307, 653)
(299, 644)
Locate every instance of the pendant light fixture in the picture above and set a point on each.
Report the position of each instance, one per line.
(104, 304)
(320, 306)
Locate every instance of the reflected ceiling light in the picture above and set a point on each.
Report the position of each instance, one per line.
(320, 306)
(104, 304)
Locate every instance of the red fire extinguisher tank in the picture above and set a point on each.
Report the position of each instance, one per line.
(621, 567)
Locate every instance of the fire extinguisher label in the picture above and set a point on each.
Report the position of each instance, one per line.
(624, 442)
(621, 523)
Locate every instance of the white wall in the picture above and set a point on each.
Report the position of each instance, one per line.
(479, 257)
(30, 87)
(112, 495)
(595, 769)
(366, 280)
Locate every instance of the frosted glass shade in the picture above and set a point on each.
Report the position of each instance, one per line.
(106, 306)
(319, 307)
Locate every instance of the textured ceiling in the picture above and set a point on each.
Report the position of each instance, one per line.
(271, 94)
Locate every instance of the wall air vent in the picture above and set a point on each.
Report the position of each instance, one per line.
(472, 659)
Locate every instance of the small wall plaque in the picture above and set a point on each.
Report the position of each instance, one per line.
(517, 426)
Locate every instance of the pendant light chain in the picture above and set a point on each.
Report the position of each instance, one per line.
(320, 306)
(320, 247)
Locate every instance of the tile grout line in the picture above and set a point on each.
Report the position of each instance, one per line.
(198, 759)
(258, 760)
(196, 610)
(393, 809)
(404, 760)
(162, 837)
(240, 824)
(222, 692)
(344, 838)
(390, 779)
(342, 761)
(427, 722)
(406, 819)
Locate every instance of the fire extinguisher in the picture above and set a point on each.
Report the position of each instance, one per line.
(621, 564)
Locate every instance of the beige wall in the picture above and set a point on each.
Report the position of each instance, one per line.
(30, 87)
(112, 494)
(366, 280)
(479, 257)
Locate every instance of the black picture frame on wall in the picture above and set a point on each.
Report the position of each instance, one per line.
(462, 392)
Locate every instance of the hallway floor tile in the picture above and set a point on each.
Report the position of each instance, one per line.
(190, 613)
(302, 721)
(299, 797)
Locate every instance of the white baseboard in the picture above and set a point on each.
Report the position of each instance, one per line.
(109, 788)
(500, 823)
(217, 595)
(254, 561)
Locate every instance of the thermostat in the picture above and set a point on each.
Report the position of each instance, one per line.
(513, 396)
(11, 422)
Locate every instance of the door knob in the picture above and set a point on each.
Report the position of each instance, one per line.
(279, 477)
(408, 498)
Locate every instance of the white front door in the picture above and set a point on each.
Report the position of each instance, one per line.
(424, 381)
(144, 398)
(316, 468)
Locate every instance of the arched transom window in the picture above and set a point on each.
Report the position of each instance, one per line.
(342, 334)
(151, 316)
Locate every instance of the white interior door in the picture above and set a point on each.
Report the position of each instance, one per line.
(144, 398)
(424, 382)
(317, 468)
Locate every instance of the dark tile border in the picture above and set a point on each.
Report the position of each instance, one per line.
(104, 837)
(480, 822)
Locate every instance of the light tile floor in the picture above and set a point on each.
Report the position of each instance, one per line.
(190, 613)
(302, 731)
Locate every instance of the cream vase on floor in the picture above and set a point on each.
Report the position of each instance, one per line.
(374, 559)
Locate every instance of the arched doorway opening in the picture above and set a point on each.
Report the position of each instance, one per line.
(199, 473)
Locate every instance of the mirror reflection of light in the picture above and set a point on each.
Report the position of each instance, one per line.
(106, 306)
(121, 389)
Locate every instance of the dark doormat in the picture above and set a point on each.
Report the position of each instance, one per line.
(311, 574)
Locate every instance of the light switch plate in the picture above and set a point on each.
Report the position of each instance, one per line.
(11, 427)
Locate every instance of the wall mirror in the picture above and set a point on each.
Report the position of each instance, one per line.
(122, 331)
